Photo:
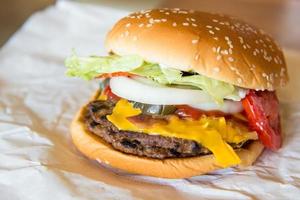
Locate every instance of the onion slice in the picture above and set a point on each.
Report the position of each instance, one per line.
(228, 106)
(148, 92)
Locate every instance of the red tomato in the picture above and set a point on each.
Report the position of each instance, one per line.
(110, 95)
(262, 110)
(109, 75)
(194, 113)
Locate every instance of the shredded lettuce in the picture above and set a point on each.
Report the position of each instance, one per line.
(93, 66)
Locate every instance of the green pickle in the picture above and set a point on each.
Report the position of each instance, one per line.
(150, 109)
(103, 84)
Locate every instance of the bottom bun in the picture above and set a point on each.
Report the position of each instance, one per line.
(97, 149)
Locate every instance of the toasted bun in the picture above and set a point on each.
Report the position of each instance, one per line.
(95, 148)
(213, 45)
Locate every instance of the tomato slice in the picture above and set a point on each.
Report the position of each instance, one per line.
(110, 95)
(109, 75)
(194, 113)
(262, 111)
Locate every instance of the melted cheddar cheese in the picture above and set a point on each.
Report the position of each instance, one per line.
(214, 133)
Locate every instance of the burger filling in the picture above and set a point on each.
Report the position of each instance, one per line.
(149, 110)
(139, 143)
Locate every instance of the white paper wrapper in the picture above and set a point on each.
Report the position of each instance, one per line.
(37, 103)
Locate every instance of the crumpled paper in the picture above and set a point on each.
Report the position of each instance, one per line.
(38, 102)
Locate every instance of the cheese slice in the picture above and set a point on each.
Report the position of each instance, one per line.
(214, 133)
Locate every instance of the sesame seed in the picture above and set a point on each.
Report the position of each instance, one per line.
(208, 26)
(282, 72)
(183, 12)
(194, 41)
(214, 49)
(193, 20)
(174, 24)
(264, 75)
(227, 38)
(157, 20)
(225, 52)
(215, 20)
(239, 80)
(217, 28)
(218, 57)
(216, 38)
(195, 25)
(185, 23)
(163, 20)
(148, 25)
(241, 40)
(127, 25)
(211, 32)
(197, 56)
(151, 20)
(167, 13)
(141, 25)
(230, 59)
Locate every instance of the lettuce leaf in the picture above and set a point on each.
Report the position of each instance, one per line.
(90, 67)
(93, 66)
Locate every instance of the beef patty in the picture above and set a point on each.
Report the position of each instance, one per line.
(141, 144)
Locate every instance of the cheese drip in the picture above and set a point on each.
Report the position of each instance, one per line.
(211, 132)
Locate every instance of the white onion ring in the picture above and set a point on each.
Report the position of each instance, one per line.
(144, 91)
(228, 106)
(159, 95)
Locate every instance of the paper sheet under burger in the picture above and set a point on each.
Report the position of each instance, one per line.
(38, 102)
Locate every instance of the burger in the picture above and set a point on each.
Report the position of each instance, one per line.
(181, 93)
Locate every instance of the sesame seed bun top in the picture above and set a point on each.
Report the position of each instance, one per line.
(217, 46)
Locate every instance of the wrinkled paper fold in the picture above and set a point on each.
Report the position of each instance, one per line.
(37, 103)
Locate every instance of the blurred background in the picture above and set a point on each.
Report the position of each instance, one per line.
(280, 18)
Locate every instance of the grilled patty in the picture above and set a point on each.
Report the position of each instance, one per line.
(141, 144)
